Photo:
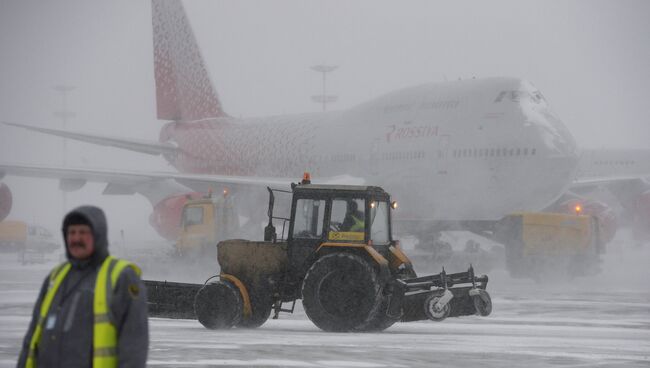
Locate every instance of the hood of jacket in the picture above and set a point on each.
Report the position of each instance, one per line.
(95, 217)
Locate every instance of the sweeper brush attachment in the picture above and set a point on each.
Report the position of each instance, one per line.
(437, 297)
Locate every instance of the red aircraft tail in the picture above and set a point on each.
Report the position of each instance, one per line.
(184, 91)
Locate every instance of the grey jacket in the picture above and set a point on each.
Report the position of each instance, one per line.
(68, 341)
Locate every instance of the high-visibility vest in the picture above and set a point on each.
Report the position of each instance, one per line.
(359, 224)
(104, 330)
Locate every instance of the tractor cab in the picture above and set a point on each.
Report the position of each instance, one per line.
(330, 217)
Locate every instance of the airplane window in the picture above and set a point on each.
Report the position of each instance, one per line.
(491, 152)
(533, 151)
(525, 151)
(518, 152)
(474, 152)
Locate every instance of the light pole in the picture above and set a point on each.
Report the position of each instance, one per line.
(64, 115)
(324, 98)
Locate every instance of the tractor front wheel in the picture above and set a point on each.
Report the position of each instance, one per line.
(218, 305)
(261, 305)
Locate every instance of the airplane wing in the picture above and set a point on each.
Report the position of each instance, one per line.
(142, 146)
(153, 185)
(600, 181)
(619, 171)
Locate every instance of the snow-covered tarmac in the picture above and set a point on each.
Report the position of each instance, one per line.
(598, 321)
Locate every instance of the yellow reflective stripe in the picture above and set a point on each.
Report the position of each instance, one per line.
(99, 301)
(57, 276)
(102, 318)
(55, 270)
(105, 357)
(104, 361)
(104, 336)
(119, 267)
(105, 352)
(53, 288)
(105, 332)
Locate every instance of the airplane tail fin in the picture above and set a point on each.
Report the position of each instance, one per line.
(183, 88)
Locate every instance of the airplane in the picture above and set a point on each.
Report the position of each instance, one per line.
(458, 154)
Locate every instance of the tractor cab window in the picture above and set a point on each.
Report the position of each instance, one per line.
(193, 216)
(347, 221)
(379, 222)
(309, 218)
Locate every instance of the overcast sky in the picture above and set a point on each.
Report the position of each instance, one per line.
(589, 58)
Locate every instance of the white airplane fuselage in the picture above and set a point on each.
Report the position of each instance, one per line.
(464, 150)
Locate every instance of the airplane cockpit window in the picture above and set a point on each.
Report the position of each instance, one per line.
(538, 97)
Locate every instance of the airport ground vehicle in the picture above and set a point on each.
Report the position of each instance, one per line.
(204, 222)
(539, 245)
(20, 236)
(350, 275)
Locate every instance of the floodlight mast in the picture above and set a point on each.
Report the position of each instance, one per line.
(324, 98)
(64, 115)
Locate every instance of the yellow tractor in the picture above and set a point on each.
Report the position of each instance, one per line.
(339, 257)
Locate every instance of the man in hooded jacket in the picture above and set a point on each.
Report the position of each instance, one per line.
(92, 310)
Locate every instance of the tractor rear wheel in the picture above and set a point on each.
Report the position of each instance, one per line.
(341, 292)
(218, 305)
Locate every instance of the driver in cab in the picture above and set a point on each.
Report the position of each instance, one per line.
(354, 219)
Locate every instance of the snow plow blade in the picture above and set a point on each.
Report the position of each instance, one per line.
(171, 299)
(437, 297)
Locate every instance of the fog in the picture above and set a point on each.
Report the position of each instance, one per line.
(589, 59)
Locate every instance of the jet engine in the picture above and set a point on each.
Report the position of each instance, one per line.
(5, 201)
(166, 215)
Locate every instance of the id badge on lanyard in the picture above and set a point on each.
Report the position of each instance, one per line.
(50, 322)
